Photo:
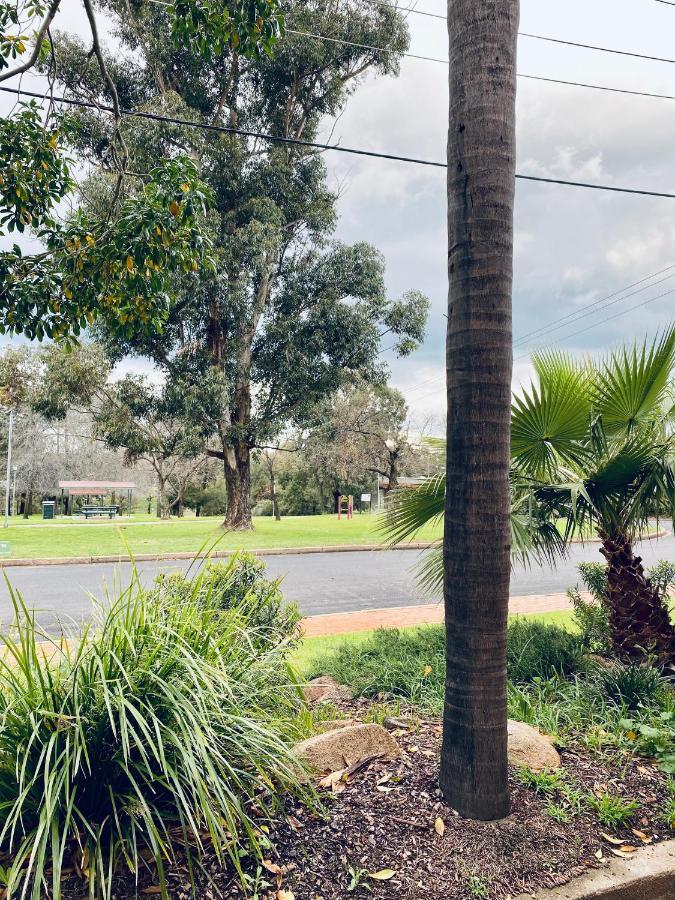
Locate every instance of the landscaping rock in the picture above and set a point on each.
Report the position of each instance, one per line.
(334, 750)
(528, 747)
(334, 724)
(325, 688)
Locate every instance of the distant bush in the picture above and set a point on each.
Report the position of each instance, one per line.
(263, 508)
(632, 686)
(166, 729)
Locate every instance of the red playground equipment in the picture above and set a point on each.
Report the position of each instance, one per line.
(345, 507)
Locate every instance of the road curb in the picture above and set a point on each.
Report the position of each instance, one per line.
(216, 554)
(648, 875)
(224, 554)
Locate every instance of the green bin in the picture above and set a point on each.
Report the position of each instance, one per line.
(48, 507)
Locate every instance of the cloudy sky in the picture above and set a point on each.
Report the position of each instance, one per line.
(573, 246)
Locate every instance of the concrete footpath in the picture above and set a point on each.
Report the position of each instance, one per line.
(427, 614)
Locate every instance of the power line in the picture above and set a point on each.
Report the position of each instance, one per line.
(571, 318)
(541, 37)
(315, 145)
(623, 312)
(602, 304)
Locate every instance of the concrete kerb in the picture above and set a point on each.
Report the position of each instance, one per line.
(216, 554)
(648, 875)
(224, 554)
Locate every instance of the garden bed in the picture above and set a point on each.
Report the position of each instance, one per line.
(387, 833)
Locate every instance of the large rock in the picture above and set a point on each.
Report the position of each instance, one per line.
(325, 688)
(343, 747)
(528, 747)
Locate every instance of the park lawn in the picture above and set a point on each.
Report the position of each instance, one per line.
(310, 648)
(53, 539)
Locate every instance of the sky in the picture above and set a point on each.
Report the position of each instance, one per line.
(573, 247)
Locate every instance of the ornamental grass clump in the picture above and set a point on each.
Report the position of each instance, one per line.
(163, 732)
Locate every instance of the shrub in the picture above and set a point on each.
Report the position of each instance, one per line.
(536, 650)
(160, 732)
(240, 583)
(629, 685)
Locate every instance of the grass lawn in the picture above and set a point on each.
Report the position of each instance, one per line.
(51, 539)
(310, 648)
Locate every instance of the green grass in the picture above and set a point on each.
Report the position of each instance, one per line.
(311, 648)
(52, 539)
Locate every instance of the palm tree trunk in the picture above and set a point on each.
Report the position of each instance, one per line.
(639, 620)
(476, 549)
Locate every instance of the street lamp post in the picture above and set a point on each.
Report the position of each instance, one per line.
(14, 468)
(9, 465)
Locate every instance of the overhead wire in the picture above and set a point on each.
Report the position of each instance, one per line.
(316, 145)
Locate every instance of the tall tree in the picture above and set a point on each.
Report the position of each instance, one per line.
(288, 316)
(477, 536)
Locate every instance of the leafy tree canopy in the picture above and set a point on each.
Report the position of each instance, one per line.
(119, 262)
(287, 314)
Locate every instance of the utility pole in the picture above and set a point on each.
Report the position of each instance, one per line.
(14, 468)
(9, 465)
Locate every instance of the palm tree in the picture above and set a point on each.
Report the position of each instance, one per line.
(593, 448)
(481, 179)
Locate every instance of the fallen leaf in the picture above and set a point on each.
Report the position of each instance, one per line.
(619, 853)
(439, 826)
(427, 671)
(627, 848)
(153, 889)
(599, 854)
(382, 875)
(612, 840)
(643, 837)
(271, 866)
(285, 895)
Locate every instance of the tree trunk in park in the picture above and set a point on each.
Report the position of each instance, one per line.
(163, 509)
(237, 464)
(476, 548)
(639, 620)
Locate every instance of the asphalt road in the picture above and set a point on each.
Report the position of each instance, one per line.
(318, 582)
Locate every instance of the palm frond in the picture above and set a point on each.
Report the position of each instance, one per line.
(549, 422)
(410, 509)
(631, 385)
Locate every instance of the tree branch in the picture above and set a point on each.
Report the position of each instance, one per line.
(39, 40)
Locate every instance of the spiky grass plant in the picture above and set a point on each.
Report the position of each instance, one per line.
(162, 731)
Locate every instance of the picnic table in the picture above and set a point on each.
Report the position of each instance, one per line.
(90, 511)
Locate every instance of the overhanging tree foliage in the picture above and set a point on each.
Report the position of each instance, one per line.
(119, 262)
(286, 315)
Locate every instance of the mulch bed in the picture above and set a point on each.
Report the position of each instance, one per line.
(390, 816)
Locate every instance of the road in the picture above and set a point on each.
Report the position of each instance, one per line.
(318, 582)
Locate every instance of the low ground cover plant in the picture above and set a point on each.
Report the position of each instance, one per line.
(411, 663)
(551, 686)
(165, 731)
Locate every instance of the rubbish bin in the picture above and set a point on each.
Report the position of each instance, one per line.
(48, 507)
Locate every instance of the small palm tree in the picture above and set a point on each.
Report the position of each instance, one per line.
(592, 448)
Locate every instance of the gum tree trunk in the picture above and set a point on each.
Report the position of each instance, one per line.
(639, 621)
(481, 170)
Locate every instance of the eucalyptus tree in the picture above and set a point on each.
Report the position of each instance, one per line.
(287, 315)
(116, 264)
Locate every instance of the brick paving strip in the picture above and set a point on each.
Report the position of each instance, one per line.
(427, 614)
